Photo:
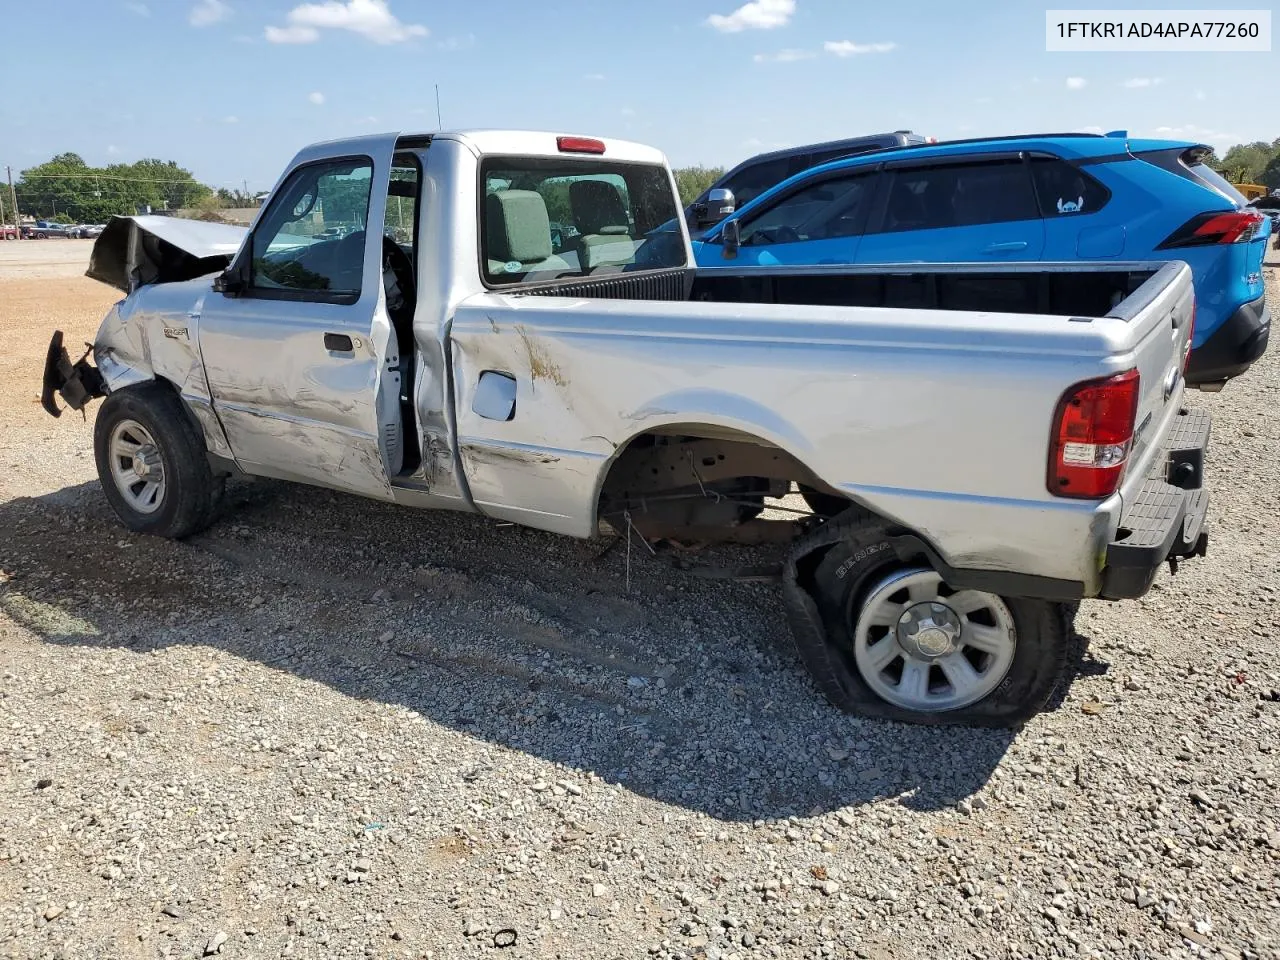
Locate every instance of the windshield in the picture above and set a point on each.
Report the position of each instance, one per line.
(544, 219)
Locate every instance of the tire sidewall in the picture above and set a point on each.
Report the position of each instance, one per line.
(848, 573)
(158, 410)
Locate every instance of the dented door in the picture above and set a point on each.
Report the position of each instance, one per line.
(298, 348)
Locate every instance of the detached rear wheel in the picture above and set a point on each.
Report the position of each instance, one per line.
(897, 642)
(152, 463)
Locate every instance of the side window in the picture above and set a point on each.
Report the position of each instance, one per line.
(821, 211)
(960, 195)
(750, 182)
(1064, 190)
(311, 238)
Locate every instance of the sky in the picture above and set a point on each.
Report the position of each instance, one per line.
(231, 89)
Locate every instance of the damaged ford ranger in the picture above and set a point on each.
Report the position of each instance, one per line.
(511, 324)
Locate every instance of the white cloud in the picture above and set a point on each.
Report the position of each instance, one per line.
(317, 98)
(756, 15)
(628, 112)
(1200, 96)
(112, 149)
(371, 19)
(141, 9)
(847, 48)
(1140, 83)
(784, 56)
(1091, 128)
(208, 12)
(231, 119)
(1076, 83)
(593, 76)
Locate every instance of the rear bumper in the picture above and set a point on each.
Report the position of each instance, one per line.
(1233, 347)
(1165, 521)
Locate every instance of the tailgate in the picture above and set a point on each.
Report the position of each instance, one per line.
(1159, 316)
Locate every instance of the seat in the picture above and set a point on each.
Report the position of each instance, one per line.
(604, 227)
(519, 234)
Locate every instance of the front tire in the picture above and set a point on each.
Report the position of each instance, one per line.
(152, 463)
(898, 643)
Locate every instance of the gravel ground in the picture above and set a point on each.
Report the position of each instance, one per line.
(333, 728)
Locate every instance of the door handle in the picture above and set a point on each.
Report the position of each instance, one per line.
(338, 343)
(1011, 246)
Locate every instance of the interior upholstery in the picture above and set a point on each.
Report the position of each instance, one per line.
(518, 226)
(598, 208)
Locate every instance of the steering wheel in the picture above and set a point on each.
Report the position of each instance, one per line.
(783, 233)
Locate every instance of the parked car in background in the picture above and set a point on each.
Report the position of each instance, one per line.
(8, 231)
(89, 231)
(44, 229)
(753, 177)
(1271, 207)
(1037, 197)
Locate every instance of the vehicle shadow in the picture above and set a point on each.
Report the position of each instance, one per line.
(600, 657)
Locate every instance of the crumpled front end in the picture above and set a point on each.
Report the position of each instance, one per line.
(133, 252)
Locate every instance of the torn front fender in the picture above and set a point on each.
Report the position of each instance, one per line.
(135, 251)
(77, 383)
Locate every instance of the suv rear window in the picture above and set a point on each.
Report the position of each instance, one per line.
(1189, 162)
(547, 218)
(1064, 190)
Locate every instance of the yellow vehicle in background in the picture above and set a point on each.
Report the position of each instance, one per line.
(1251, 191)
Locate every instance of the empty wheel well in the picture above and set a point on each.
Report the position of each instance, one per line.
(698, 462)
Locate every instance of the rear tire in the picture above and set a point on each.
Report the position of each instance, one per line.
(152, 463)
(906, 667)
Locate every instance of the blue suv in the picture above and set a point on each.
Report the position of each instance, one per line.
(1051, 197)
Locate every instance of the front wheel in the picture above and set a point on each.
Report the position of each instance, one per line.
(897, 642)
(152, 463)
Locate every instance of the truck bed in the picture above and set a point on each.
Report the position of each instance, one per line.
(1033, 288)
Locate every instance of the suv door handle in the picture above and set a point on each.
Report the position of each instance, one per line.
(338, 343)
(1012, 246)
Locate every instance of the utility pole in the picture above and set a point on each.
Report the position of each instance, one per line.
(13, 201)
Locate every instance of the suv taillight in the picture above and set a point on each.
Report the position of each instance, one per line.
(1207, 229)
(1092, 436)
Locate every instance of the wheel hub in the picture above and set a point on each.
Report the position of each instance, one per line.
(929, 631)
(146, 462)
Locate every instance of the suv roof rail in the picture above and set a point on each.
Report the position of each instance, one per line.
(947, 143)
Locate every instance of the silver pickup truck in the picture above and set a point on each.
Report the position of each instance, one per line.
(508, 323)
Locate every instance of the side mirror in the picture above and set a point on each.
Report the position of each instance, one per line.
(731, 237)
(720, 203)
(228, 282)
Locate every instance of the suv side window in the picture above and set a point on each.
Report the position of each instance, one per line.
(1065, 190)
(750, 182)
(824, 210)
(310, 242)
(960, 195)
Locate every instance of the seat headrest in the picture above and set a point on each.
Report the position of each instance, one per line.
(518, 226)
(597, 207)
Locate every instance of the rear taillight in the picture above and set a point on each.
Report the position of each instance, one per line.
(1092, 436)
(1206, 229)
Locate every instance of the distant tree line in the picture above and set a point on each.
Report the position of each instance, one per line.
(68, 190)
(1257, 162)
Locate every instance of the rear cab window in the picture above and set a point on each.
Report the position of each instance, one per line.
(550, 218)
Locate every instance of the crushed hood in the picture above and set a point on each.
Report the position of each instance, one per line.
(135, 251)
